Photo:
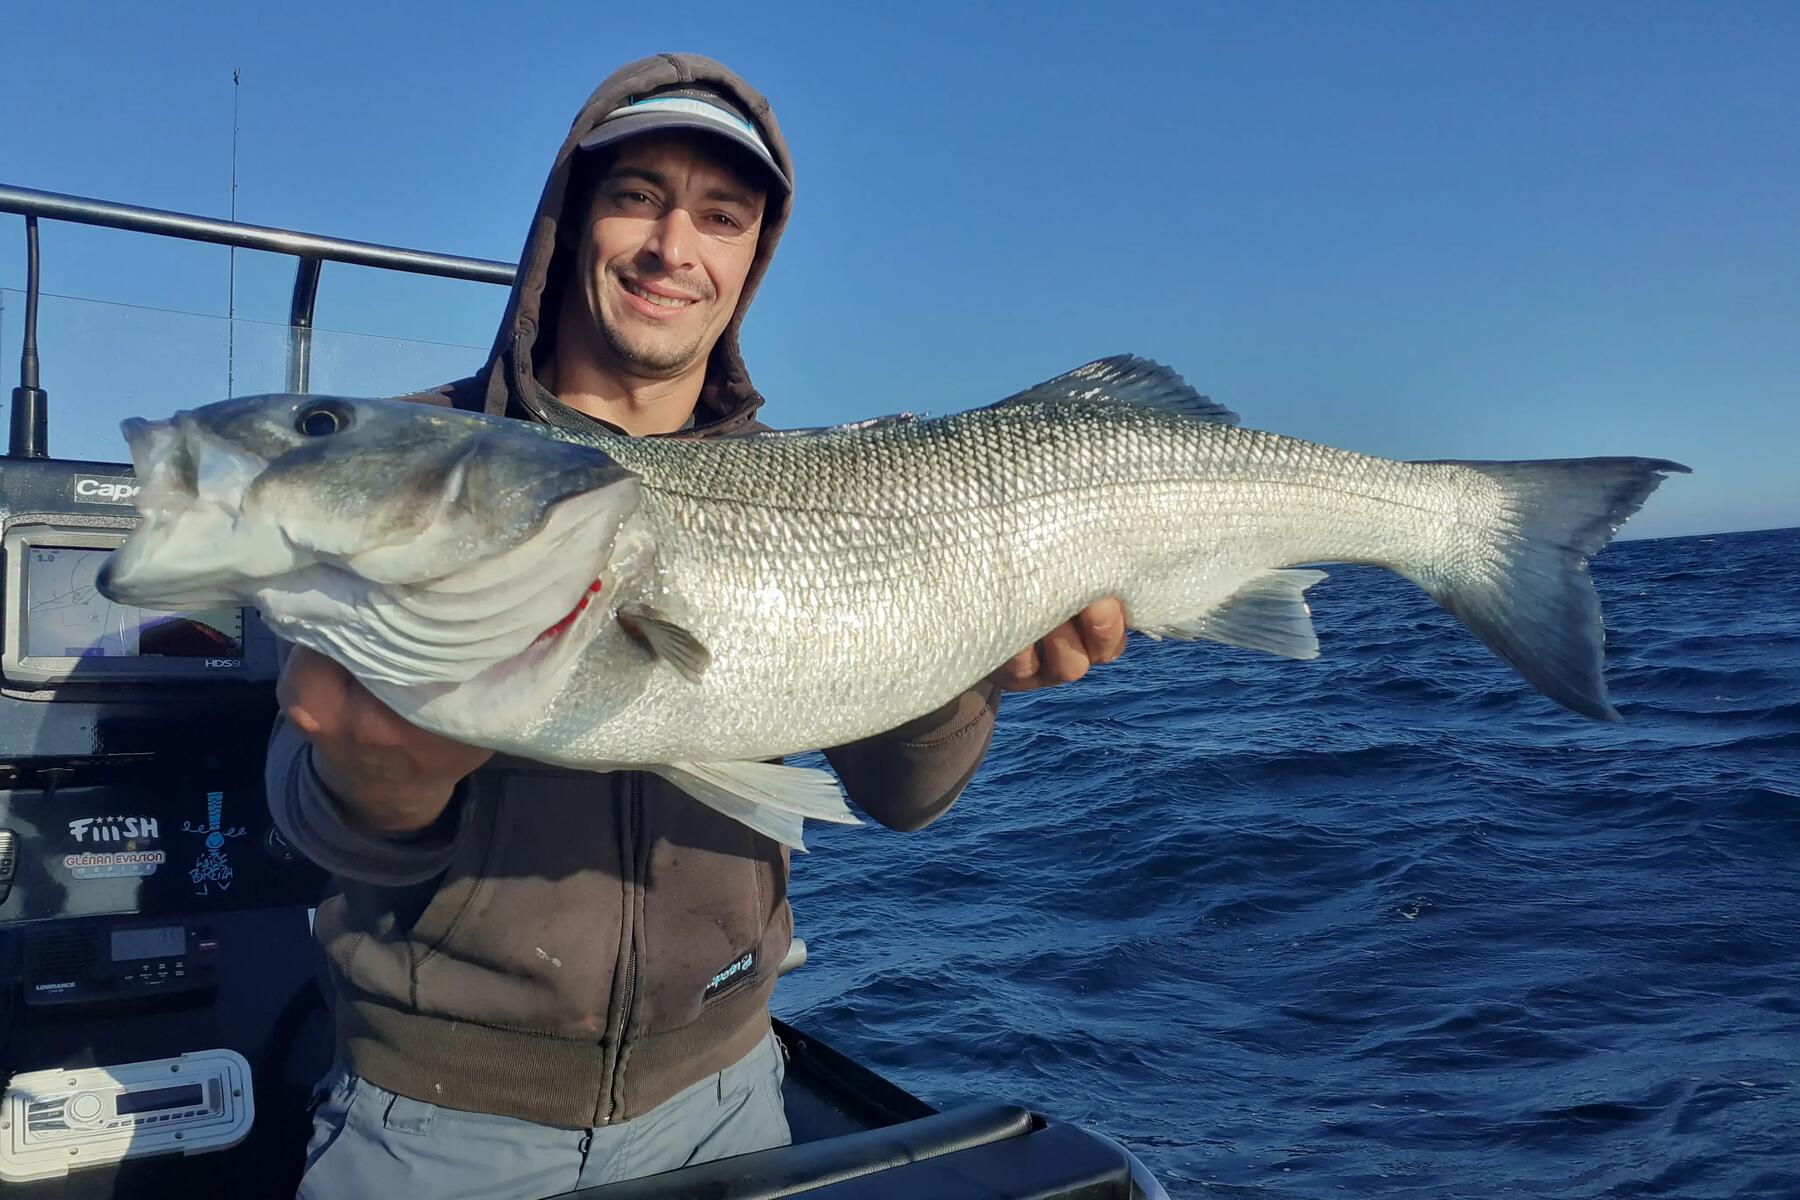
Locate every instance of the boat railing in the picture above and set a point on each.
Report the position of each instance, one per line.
(310, 251)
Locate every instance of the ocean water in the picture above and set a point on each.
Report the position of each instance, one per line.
(1386, 923)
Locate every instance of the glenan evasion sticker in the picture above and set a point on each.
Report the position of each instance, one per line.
(114, 864)
(741, 968)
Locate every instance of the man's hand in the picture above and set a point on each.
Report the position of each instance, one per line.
(392, 776)
(1096, 635)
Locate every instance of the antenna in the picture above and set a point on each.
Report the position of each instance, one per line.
(30, 404)
(231, 253)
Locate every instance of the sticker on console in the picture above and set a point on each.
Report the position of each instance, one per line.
(114, 864)
(213, 867)
(115, 829)
(118, 847)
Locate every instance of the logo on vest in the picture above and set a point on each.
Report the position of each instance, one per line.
(740, 969)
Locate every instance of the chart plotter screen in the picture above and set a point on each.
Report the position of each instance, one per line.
(67, 617)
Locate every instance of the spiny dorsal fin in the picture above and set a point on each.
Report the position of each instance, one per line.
(1127, 379)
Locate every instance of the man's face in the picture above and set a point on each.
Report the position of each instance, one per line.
(671, 232)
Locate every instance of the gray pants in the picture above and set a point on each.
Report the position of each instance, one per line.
(366, 1141)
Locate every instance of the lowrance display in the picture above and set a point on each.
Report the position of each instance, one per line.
(163, 941)
(101, 964)
(59, 627)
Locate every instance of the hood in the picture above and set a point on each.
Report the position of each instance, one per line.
(728, 400)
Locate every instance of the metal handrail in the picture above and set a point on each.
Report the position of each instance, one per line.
(84, 211)
(310, 249)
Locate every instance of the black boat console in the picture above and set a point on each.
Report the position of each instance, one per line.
(153, 924)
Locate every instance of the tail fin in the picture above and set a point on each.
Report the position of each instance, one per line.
(1525, 590)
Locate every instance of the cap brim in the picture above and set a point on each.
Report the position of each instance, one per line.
(632, 124)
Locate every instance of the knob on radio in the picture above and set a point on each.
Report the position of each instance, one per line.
(83, 1109)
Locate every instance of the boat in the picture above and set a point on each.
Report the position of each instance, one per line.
(162, 1025)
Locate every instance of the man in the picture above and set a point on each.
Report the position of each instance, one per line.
(545, 978)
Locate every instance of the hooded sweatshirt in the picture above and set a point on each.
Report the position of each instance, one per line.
(568, 947)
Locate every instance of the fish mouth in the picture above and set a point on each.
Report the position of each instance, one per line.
(178, 557)
(151, 571)
(163, 460)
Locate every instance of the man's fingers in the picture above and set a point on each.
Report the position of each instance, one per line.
(1019, 673)
(1096, 634)
(323, 700)
(373, 723)
(312, 691)
(1102, 628)
(1063, 656)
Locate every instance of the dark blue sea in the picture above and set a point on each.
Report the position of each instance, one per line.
(1386, 923)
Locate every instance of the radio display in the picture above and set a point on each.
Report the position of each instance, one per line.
(184, 1096)
(164, 941)
(67, 617)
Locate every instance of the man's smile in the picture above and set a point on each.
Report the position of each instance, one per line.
(657, 295)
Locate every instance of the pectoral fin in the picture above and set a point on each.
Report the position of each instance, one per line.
(772, 799)
(667, 640)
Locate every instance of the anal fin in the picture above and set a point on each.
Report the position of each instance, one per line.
(773, 799)
(1268, 612)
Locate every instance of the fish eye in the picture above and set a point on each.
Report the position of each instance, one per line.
(322, 420)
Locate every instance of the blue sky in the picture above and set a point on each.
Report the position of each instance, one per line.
(1416, 230)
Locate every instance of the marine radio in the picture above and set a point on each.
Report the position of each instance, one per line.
(184, 1105)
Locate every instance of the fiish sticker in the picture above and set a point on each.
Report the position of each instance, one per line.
(114, 829)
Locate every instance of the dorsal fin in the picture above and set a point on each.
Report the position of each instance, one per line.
(1127, 379)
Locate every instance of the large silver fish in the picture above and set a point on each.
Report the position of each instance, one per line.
(693, 607)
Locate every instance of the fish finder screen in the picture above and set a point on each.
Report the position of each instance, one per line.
(67, 617)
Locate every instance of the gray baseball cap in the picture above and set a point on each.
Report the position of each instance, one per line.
(685, 107)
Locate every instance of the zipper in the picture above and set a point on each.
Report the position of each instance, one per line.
(637, 879)
(634, 832)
